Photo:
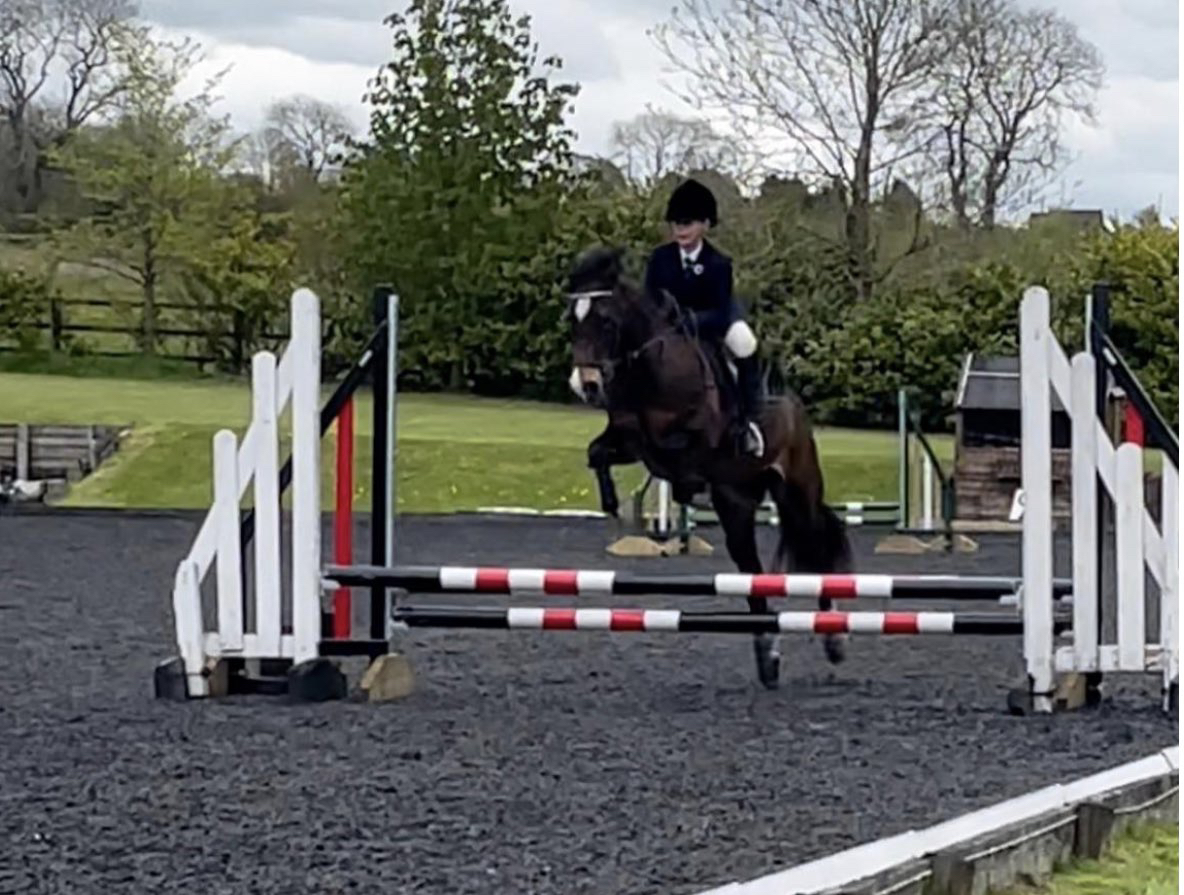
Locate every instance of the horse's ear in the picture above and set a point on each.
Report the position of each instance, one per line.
(616, 257)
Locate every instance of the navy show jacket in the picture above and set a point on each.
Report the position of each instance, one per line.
(705, 289)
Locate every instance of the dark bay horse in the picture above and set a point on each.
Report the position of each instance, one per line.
(665, 399)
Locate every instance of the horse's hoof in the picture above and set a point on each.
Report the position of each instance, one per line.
(768, 661)
(835, 647)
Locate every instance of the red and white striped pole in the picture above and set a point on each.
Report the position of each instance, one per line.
(677, 621)
(595, 582)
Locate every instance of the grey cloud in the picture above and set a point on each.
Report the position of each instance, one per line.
(1135, 37)
(228, 16)
(1123, 193)
(354, 33)
(320, 40)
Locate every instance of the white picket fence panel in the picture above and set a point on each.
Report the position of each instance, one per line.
(1140, 545)
(254, 461)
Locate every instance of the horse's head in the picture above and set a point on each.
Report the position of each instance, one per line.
(607, 318)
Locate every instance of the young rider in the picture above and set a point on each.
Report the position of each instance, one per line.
(699, 276)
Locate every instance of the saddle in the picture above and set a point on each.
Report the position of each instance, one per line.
(727, 379)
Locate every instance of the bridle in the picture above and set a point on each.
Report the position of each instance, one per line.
(665, 330)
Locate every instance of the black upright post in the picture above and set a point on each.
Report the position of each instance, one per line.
(380, 468)
(1097, 323)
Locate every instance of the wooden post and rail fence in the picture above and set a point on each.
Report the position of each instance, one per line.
(118, 329)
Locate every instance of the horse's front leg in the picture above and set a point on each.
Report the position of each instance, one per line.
(609, 448)
(736, 508)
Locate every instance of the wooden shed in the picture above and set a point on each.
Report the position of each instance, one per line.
(987, 440)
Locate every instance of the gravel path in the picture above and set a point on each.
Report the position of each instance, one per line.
(564, 763)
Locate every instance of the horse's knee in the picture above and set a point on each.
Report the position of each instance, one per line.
(600, 452)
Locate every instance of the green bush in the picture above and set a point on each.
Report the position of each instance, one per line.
(240, 289)
(24, 303)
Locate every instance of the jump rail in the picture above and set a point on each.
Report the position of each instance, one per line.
(591, 582)
(679, 621)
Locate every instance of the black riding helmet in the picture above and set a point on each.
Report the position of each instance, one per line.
(692, 201)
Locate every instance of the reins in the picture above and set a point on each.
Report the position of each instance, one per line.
(668, 329)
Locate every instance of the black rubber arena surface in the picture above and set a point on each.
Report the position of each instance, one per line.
(526, 762)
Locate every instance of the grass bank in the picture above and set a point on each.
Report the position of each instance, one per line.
(454, 452)
(1144, 862)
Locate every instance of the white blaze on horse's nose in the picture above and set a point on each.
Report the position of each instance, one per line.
(583, 306)
(576, 384)
(590, 376)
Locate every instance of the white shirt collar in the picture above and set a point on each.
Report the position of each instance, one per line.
(691, 256)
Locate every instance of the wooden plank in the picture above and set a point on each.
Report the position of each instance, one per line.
(1086, 623)
(268, 555)
(1037, 350)
(22, 452)
(229, 555)
(1129, 556)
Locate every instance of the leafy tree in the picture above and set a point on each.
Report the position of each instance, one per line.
(153, 176)
(239, 289)
(1141, 262)
(463, 175)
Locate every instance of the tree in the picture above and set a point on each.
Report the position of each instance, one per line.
(307, 133)
(462, 176)
(842, 87)
(1008, 78)
(154, 177)
(656, 143)
(81, 42)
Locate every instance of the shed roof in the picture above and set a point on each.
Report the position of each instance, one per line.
(992, 382)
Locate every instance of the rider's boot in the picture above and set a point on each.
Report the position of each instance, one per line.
(752, 439)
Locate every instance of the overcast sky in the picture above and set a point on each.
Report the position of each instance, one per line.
(329, 48)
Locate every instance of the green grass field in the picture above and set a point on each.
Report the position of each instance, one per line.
(454, 452)
(1144, 862)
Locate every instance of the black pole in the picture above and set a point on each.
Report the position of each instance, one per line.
(1159, 433)
(380, 461)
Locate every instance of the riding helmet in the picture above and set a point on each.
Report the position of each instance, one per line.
(692, 201)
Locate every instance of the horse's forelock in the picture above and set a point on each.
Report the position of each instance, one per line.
(599, 267)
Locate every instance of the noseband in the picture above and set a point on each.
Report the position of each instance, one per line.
(665, 330)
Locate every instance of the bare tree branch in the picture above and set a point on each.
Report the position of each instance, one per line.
(657, 143)
(1010, 77)
(48, 43)
(308, 132)
(846, 84)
